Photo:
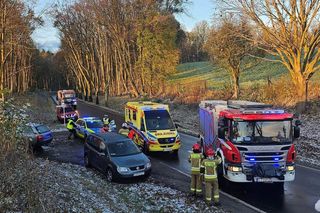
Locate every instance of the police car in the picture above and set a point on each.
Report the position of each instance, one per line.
(87, 125)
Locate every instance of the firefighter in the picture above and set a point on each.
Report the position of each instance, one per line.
(70, 126)
(195, 159)
(210, 176)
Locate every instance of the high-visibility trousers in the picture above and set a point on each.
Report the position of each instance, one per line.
(196, 183)
(212, 185)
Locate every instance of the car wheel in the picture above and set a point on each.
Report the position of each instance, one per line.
(110, 175)
(75, 134)
(87, 161)
(146, 177)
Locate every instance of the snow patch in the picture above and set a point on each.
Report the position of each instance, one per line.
(317, 206)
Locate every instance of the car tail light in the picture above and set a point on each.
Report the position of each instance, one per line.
(39, 138)
(231, 152)
(291, 154)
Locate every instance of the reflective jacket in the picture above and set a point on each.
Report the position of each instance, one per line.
(210, 167)
(195, 159)
(70, 125)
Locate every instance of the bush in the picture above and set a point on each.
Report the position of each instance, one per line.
(18, 184)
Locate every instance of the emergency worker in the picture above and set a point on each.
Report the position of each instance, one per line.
(210, 176)
(106, 120)
(124, 129)
(195, 159)
(70, 126)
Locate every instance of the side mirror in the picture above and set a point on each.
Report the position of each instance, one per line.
(177, 126)
(296, 132)
(298, 123)
(222, 133)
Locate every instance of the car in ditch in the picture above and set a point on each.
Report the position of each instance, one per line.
(37, 134)
(116, 156)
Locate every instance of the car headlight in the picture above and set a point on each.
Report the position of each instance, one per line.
(148, 165)
(122, 169)
(178, 137)
(74, 102)
(152, 138)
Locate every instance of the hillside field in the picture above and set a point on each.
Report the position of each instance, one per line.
(217, 77)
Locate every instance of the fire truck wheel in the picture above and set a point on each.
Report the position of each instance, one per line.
(221, 179)
(279, 185)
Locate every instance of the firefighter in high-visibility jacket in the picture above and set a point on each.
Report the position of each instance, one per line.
(196, 159)
(210, 176)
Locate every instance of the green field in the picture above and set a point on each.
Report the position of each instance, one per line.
(217, 77)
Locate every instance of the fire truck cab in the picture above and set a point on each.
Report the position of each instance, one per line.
(254, 140)
(67, 97)
(151, 127)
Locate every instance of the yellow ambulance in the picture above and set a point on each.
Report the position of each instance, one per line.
(151, 127)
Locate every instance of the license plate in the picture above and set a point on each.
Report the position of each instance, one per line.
(138, 174)
(263, 180)
(167, 149)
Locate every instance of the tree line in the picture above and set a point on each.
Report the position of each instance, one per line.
(119, 47)
(17, 22)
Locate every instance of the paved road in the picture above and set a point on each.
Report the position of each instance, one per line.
(297, 196)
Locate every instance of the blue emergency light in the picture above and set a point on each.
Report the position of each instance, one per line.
(251, 159)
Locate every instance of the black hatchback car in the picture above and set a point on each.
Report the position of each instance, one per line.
(116, 156)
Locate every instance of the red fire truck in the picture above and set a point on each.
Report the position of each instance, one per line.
(254, 140)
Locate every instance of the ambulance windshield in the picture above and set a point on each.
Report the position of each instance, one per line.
(261, 132)
(158, 120)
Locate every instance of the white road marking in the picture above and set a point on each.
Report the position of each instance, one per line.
(317, 206)
(224, 193)
(307, 167)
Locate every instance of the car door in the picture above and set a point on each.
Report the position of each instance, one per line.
(89, 149)
(100, 159)
(80, 128)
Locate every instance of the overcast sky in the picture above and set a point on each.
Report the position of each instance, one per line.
(47, 37)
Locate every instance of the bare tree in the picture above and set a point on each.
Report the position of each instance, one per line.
(289, 30)
(227, 47)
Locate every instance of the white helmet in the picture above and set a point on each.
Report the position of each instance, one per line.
(124, 126)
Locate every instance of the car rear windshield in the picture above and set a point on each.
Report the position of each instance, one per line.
(123, 148)
(94, 124)
(42, 129)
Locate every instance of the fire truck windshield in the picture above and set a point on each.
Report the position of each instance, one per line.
(253, 132)
(69, 95)
(158, 120)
